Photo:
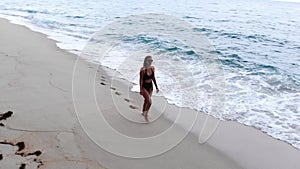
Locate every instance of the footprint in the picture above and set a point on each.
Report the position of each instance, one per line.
(118, 93)
(126, 99)
(102, 79)
(133, 107)
(102, 83)
(112, 88)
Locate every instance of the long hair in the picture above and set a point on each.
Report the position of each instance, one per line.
(145, 60)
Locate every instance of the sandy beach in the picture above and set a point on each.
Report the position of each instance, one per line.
(41, 128)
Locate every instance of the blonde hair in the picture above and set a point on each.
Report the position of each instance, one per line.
(145, 60)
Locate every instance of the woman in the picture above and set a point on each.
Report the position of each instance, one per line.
(146, 87)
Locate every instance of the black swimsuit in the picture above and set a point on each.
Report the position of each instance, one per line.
(146, 85)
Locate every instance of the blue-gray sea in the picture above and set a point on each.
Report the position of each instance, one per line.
(256, 41)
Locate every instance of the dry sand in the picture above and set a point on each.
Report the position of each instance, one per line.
(44, 130)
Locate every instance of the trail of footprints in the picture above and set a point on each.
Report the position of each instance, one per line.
(103, 82)
(20, 145)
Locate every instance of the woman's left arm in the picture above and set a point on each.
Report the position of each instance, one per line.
(154, 79)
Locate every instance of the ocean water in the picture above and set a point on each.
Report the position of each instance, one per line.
(257, 42)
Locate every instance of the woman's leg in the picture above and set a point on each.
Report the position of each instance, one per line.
(146, 100)
(150, 94)
(147, 104)
(144, 107)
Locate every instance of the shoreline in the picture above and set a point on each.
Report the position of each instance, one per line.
(226, 145)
